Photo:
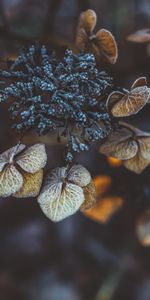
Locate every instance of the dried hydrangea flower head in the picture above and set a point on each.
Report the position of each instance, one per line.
(102, 44)
(48, 94)
(63, 192)
(21, 170)
(140, 36)
(124, 104)
(130, 145)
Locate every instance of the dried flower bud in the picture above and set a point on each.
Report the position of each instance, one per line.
(129, 144)
(89, 195)
(20, 170)
(143, 228)
(102, 44)
(140, 36)
(129, 102)
(62, 193)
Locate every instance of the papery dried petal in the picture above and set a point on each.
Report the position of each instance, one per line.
(82, 41)
(107, 45)
(89, 195)
(58, 202)
(144, 144)
(114, 98)
(120, 144)
(10, 181)
(87, 20)
(142, 81)
(131, 103)
(33, 158)
(31, 184)
(79, 175)
(140, 36)
(9, 154)
(136, 164)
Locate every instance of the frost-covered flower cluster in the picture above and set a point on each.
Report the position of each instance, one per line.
(49, 94)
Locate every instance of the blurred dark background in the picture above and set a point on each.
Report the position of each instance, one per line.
(78, 258)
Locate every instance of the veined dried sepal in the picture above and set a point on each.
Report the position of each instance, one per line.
(102, 44)
(129, 144)
(31, 184)
(21, 170)
(124, 104)
(89, 195)
(62, 193)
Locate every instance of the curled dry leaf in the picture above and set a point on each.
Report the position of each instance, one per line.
(140, 36)
(17, 164)
(102, 44)
(129, 144)
(143, 228)
(63, 192)
(104, 209)
(129, 102)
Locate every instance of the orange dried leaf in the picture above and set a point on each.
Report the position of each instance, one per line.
(104, 209)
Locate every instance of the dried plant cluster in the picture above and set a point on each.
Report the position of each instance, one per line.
(75, 97)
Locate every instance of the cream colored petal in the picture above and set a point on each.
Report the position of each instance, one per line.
(107, 45)
(120, 144)
(136, 164)
(31, 185)
(9, 154)
(10, 181)
(131, 103)
(60, 202)
(89, 195)
(79, 175)
(33, 158)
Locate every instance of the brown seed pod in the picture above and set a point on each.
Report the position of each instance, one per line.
(89, 195)
(16, 166)
(143, 228)
(130, 102)
(129, 144)
(62, 193)
(102, 44)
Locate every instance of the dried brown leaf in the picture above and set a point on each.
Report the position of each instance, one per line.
(140, 36)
